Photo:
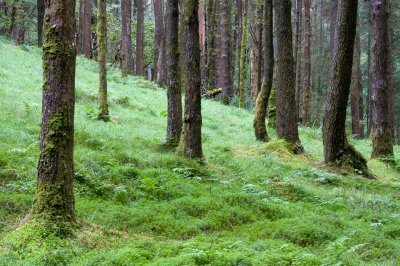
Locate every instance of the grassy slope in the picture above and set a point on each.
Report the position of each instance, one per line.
(140, 204)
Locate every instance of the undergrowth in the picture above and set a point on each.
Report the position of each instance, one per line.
(139, 204)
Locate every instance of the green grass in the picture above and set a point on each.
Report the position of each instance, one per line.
(249, 204)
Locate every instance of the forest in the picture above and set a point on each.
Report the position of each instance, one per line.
(200, 132)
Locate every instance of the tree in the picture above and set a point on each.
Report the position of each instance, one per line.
(381, 130)
(17, 28)
(54, 203)
(225, 80)
(211, 70)
(174, 120)
(307, 63)
(286, 115)
(85, 29)
(102, 58)
(126, 21)
(242, 69)
(261, 110)
(192, 146)
(159, 52)
(297, 52)
(140, 38)
(332, 24)
(40, 16)
(337, 150)
(355, 96)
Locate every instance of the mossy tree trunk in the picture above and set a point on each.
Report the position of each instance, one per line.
(286, 115)
(139, 70)
(126, 49)
(54, 203)
(242, 65)
(337, 151)
(192, 144)
(381, 130)
(102, 58)
(261, 110)
(174, 120)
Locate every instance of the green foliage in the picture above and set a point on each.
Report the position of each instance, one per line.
(139, 204)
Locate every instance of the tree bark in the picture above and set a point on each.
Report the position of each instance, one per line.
(261, 110)
(286, 117)
(54, 203)
(159, 41)
(225, 80)
(382, 147)
(40, 16)
(202, 38)
(192, 120)
(356, 90)
(337, 151)
(17, 29)
(297, 54)
(391, 90)
(307, 63)
(174, 120)
(332, 25)
(242, 66)
(126, 49)
(102, 58)
(239, 8)
(211, 70)
(257, 32)
(86, 33)
(140, 39)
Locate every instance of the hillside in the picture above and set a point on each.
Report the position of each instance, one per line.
(139, 204)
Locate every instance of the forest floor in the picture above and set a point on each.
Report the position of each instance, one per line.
(139, 204)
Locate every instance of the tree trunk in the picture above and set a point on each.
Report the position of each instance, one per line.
(126, 49)
(225, 80)
(337, 151)
(202, 38)
(140, 39)
(257, 32)
(307, 63)
(17, 29)
(286, 117)
(242, 65)
(297, 54)
(239, 30)
(102, 58)
(174, 127)
(391, 94)
(159, 41)
(211, 79)
(382, 147)
(40, 16)
(54, 203)
(261, 110)
(192, 120)
(356, 90)
(332, 26)
(86, 34)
